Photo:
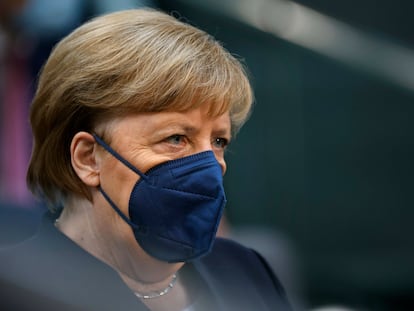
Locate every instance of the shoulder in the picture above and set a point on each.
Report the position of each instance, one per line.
(237, 269)
(237, 254)
(48, 268)
(231, 253)
(18, 223)
(230, 247)
(30, 258)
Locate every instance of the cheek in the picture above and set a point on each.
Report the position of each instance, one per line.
(118, 182)
(125, 187)
(223, 165)
(221, 161)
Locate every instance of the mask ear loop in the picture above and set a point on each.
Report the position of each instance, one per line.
(108, 148)
(101, 142)
(118, 211)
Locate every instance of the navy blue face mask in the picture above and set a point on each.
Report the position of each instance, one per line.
(176, 206)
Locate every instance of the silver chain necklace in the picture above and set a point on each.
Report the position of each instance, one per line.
(160, 293)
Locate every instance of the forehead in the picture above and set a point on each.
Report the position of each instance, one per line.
(146, 123)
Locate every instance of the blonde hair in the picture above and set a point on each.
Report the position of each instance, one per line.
(123, 63)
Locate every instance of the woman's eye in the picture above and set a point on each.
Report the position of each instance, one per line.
(176, 139)
(220, 142)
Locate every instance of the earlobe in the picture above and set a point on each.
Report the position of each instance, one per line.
(84, 158)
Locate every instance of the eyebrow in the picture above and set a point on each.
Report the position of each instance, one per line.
(223, 132)
(218, 132)
(187, 128)
(181, 126)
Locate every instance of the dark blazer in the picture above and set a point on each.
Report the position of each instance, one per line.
(50, 272)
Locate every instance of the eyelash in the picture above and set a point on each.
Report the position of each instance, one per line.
(175, 136)
(224, 142)
(221, 141)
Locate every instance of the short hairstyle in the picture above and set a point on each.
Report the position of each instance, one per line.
(122, 63)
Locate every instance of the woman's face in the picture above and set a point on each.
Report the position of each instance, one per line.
(146, 140)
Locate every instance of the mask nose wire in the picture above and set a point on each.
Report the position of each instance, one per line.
(108, 148)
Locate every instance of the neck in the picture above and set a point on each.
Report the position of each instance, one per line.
(174, 295)
(100, 231)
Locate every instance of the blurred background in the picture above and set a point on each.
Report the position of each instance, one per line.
(320, 179)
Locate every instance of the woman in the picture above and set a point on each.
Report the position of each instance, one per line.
(131, 119)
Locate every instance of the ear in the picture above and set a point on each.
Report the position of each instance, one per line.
(84, 158)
